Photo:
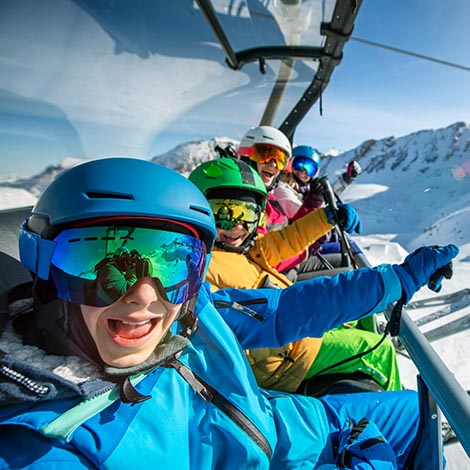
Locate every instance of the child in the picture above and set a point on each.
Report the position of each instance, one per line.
(244, 259)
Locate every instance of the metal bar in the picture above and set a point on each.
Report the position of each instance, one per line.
(211, 17)
(429, 449)
(285, 71)
(337, 33)
(279, 53)
(451, 398)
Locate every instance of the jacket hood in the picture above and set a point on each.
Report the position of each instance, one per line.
(27, 373)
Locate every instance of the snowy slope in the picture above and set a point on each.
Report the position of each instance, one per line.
(424, 176)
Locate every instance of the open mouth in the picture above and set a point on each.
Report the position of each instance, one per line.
(127, 329)
(231, 240)
(267, 175)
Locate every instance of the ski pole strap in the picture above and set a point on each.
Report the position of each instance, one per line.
(211, 395)
(394, 322)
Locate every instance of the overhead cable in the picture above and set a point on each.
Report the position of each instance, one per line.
(414, 54)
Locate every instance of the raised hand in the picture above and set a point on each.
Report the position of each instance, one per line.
(348, 218)
(354, 169)
(427, 265)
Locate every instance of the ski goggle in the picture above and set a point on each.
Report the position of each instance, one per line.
(305, 164)
(97, 265)
(230, 212)
(264, 153)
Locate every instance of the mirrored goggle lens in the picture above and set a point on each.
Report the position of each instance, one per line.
(305, 164)
(97, 265)
(264, 153)
(229, 212)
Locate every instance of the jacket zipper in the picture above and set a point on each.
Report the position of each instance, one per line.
(242, 307)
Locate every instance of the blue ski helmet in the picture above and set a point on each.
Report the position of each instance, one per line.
(112, 188)
(307, 158)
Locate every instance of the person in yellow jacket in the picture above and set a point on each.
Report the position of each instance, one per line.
(244, 259)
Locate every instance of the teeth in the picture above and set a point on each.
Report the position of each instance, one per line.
(135, 323)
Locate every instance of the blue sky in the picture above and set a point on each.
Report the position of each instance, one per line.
(375, 93)
(96, 86)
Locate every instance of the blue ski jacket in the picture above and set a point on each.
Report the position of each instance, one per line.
(207, 411)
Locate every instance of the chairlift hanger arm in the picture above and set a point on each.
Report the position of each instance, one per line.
(236, 60)
(337, 33)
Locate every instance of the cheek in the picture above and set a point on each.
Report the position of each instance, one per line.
(301, 175)
(90, 316)
(173, 311)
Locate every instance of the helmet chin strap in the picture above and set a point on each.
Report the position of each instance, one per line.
(274, 183)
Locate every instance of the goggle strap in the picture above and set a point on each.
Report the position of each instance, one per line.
(35, 252)
(245, 151)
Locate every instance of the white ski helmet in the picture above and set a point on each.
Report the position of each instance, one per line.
(264, 135)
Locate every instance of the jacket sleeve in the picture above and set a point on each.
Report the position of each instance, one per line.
(274, 317)
(279, 245)
(342, 183)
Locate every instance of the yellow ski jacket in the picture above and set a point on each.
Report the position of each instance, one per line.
(275, 368)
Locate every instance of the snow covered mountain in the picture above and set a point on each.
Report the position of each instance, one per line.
(185, 157)
(33, 185)
(421, 185)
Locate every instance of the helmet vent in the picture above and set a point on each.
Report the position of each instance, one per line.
(106, 195)
(202, 210)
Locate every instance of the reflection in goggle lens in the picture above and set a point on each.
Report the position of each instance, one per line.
(230, 212)
(264, 153)
(97, 265)
(305, 164)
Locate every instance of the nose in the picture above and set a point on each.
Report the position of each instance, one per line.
(239, 224)
(143, 293)
(272, 162)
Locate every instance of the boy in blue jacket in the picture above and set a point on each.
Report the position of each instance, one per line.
(155, 376)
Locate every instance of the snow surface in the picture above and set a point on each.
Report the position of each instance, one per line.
(414, 190)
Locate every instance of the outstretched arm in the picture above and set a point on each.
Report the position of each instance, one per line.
(268, 318)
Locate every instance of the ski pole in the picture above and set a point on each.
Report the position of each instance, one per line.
(346, 254)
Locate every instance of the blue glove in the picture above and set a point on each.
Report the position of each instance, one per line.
(427, 265)
(348, 218)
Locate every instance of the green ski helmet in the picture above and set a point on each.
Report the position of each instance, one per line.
(229, 173)
(228, 178)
